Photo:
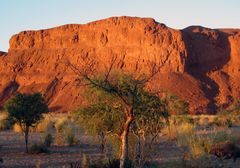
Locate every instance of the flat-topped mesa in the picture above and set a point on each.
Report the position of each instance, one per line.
(130, 37)
(68, 35)
(200, 65)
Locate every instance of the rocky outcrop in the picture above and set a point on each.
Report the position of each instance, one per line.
(198, 64)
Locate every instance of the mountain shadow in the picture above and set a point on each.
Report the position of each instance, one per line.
(208, 50)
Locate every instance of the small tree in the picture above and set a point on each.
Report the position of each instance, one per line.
(26, 110)
(152, 115)
(127, 101)
(129, 90)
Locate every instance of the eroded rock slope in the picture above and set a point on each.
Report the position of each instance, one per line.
(200, 65)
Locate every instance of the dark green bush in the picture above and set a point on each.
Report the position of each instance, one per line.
(48, 140)
(38, 148)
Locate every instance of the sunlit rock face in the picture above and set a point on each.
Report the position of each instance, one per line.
(200, 65)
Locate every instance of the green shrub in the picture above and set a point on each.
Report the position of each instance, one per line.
(38, 148)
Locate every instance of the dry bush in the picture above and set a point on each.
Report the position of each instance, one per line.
(222, 121)
(61, 124)
(203, 121)
(46, 125)
(4, 122)
(66, 131)
(177, 124)
(65, 137)
(170, 132)
(197, 146)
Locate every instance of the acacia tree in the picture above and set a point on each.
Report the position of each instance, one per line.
(26, 110)
(102, 117)
(128, 89)
(151, 118)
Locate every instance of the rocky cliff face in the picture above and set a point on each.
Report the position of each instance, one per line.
(200, 65)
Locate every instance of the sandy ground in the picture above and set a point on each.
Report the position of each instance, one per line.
(12, 152)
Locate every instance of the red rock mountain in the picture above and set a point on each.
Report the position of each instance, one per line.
(200, 65)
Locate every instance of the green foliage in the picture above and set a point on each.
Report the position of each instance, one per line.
(102, 116)
(26, 109)
(106, 112)
(151, 114)
(121, 102)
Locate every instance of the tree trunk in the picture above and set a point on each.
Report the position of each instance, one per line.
(124, 141)
(102, 138)
(138, 155)
(26, 131)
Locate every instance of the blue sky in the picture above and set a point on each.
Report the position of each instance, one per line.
(19, 15)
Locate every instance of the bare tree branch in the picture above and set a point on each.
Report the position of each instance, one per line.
(109, 70)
